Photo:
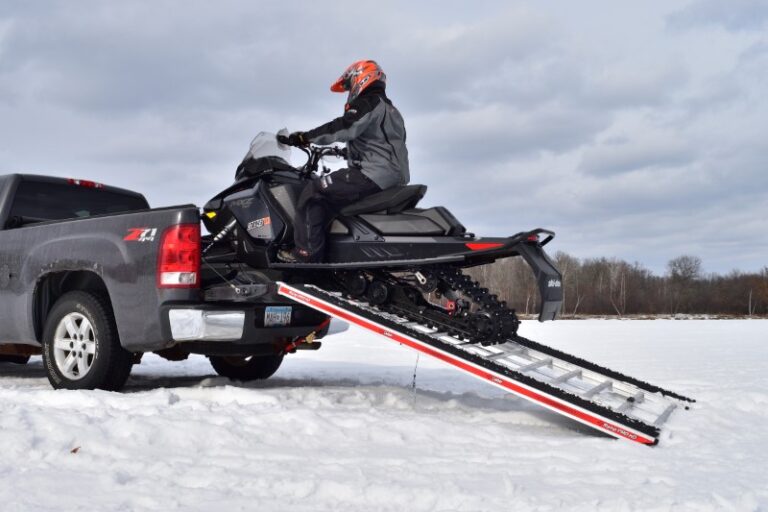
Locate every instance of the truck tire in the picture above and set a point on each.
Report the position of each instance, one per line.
(81, 349)
(14, 359)
(245, 368)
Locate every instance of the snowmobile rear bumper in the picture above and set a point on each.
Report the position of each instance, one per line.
(529, 245)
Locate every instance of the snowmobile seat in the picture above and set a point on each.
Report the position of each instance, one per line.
(391, 200)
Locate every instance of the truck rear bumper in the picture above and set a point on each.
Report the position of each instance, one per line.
(244, 324)
(202, 325)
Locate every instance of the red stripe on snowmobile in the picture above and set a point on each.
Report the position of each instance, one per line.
(502, 381)
(483, 246)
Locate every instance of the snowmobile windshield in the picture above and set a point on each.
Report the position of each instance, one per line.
(264, 154)
(265, 144)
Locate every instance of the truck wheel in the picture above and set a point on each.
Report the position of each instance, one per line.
(14, 359)
(246, 368)
(81, 349)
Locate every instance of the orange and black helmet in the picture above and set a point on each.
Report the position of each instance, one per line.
(357, 77)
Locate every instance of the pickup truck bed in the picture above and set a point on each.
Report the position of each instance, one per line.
(60, 239)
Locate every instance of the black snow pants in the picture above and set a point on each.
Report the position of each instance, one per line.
(320, 199)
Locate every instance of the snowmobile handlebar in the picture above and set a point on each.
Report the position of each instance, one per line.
(316, 153)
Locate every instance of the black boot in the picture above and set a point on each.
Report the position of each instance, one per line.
(294, 255)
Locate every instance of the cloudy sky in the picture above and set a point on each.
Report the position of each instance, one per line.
(634, 129)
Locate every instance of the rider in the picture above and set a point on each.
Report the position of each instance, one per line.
(376, 155)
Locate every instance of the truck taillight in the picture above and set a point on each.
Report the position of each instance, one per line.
(178, 261)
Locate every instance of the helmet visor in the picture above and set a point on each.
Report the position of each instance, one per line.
(341, 84)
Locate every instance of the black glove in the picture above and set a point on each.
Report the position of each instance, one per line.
(295, 139)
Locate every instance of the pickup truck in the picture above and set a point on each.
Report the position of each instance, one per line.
(91, 277)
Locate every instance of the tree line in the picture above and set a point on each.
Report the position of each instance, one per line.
(610, 286)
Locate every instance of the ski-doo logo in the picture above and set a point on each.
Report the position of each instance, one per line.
(140, 235)
(554, 283)
(259, 223)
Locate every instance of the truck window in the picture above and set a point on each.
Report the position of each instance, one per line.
(39, 200)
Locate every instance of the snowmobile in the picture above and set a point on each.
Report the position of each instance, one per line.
(384, 248)
(396, 269)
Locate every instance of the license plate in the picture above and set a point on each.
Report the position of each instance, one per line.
(277, 316)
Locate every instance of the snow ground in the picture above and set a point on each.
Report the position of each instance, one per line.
(342, 429)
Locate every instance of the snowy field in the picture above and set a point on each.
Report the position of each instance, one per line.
(343, 429)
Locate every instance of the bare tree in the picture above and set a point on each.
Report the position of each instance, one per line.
(618, 286)
(685, 268)
(683, 271)
(568, 267)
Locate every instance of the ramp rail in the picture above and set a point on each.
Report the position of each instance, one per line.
(623, 408)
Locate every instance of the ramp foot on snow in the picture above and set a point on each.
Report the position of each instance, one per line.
(607, 401)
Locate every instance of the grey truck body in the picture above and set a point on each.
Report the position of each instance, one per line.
(44, 256)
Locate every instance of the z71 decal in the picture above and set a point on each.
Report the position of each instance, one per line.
(140, 235)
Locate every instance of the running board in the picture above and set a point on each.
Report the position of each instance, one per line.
(623, 408)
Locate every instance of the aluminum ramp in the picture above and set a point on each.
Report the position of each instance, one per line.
(608, 401)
